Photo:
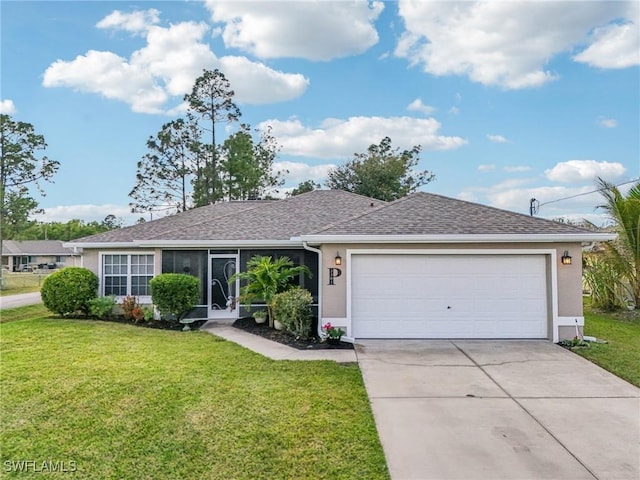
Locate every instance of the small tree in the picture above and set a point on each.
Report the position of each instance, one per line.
(175, 294)
(70, 290)
(265, 278)
(623, 254)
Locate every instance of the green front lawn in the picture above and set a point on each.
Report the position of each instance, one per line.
(128, 402)
(621, 355)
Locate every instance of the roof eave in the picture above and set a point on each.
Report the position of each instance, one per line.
(462, 238)
(293, 242)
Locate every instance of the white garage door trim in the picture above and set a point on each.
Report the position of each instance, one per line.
(552, 264)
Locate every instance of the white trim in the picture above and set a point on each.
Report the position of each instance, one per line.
(552, 253)
(462, 238)
(166, 244)
(570, 321)
(101, 253)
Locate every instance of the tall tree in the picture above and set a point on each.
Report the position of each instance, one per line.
(21, 165)
(212, 99)
(624, 253)
(383, 172)
(304, 187)
(247, 168)
(165, 172)
(19, 207)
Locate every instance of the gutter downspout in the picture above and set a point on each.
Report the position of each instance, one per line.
(306, 246)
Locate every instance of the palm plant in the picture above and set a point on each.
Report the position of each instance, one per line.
(624, 253)
(265, 278)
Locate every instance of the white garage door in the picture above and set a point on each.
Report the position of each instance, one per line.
(448, 296)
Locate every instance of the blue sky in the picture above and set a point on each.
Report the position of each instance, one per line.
(509, 100)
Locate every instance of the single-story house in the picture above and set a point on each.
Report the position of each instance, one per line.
(28, 255)
(423, 266)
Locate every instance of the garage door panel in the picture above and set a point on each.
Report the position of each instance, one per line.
(448, 296)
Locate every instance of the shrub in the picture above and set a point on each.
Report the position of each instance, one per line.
(265, 278)
(293, 309)
(604, 282)
(69, 290)
(102, 307)
(131, 309)
(175, 294)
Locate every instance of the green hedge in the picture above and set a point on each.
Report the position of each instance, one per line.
(69, 291)
(175, 294)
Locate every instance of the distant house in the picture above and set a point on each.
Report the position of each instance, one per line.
(424, 266)
(29, 255)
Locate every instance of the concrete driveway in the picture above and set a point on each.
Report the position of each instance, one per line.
(20, 300)
(499, 410)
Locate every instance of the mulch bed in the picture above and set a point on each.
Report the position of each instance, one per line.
(248, 324)
(157, 324)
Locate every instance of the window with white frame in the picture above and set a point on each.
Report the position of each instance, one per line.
(127, 274)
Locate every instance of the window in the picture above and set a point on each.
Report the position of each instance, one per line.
(127, 274)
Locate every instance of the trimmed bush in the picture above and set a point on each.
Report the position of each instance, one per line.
(293, 309)
(69, 291)
(175, 294)
(102, 307)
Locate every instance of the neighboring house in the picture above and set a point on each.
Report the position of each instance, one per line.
(28, 255)
(424, 266)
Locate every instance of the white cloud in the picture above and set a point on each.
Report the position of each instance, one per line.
(300, 172)
(576, 171)
(88, 213)
(616, 45)
(486, 168)
(608, 122)
(310, 30)
(505, 44)
(340, 138)
(497, 139)
(135, 22)
(165, 69)
(418, 106)
(554, 201)
(454, 110)
(7, 107)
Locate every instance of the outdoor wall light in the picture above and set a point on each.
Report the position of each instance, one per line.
(338, 259)
(565, 259)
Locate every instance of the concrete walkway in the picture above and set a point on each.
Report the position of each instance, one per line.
(271, 349)
(499, 410)
(20, 300)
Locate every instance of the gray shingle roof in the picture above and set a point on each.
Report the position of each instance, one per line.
(252, 220)
(35, 247)
(334, 212)
(428, 214)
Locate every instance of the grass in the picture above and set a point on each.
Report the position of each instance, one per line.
(621, 355)
(22, 283)
(129, 402)
(23, 313)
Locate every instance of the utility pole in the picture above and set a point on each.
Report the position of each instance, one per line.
(533, 206)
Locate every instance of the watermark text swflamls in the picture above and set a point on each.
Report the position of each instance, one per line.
(39, 466)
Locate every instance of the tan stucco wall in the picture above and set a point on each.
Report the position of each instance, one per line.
(569, 277)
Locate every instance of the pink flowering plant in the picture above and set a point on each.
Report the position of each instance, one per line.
(332, 332)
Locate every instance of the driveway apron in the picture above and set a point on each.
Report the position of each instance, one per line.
(499, 410)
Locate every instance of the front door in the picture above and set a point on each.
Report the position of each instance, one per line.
(222, 294)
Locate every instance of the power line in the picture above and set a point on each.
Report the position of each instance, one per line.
(534, 205)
